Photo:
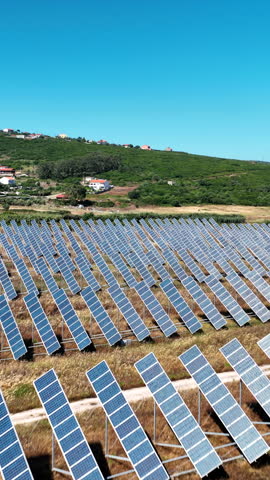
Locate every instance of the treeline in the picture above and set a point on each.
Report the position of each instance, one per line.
(92, 164)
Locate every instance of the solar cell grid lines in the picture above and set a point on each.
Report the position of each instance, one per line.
(181, 306)
(11, 330)
(250, 373)
(102, 318)
(128, 429)
(13, 463)
(84, 267)
(42, 323)
(249, 297)
(25, 276)
(72, 442)
(236, 311)
(205, 304)
(155, 308)
(239, 426)
(6, 283)
(123, 269)
(259, 283)
(179, 417)
(264, 344)
(131, 316)
(68, 276)
(72, 320)
(46, 275)
(141, 268)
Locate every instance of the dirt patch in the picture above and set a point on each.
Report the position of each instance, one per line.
(122, 191)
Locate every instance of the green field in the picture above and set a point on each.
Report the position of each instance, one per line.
(197, 179)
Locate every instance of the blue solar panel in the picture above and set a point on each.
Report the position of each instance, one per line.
(11, 329)
(85, 268)
(250, 373)
(174, 264)
(181, 306)
(46, 275)
(227, 300)
(191, 264)
(42, 323)
(141, 268)
(6, 283)
(239, 426)
(104, 269)
(178, 416)
(129, 313)
(25, 276)
(163, 320)
(13, 464)
(72, 442)
(101, 316)
(249, 297)
(123, 269)
(264, 344)
(71, 318)
(68, 276)
(205, 304)
(128, 429)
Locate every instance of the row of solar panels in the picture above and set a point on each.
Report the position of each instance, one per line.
(139, 450)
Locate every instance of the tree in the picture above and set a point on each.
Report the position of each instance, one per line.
(76, 193)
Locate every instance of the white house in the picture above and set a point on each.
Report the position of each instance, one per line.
(99, 185)
(8, 181)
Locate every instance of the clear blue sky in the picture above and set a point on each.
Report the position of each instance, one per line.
(190, 74)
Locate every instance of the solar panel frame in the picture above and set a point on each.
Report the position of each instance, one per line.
(41, 323)
(11, 330)
(70, 437)
(180, 419)
(11, 468)
(139, 450)
(224, 404)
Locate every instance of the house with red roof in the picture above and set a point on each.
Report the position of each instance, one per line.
(4, 171)
(99, 185)
(146, 147)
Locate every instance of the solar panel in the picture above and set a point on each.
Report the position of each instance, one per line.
(264, 344)
(103, 267)
(262, 286)
(239, 426)
(181, 306)
(101, 316)
(128, 429)
(205, 304)
(85, 268)
(72, 442)
(123, 269)
(250, 373)
(46, 275)
(25, 276)
(68, 276)
(163, 320)
(191, 264)
(129, 313)
(13, 463)
(11, 329)
(173, 262)
(227, 300)
(42, 323)
(71, 318)
(6, 283)
(141, 268)
(249, 297)
(179, 417)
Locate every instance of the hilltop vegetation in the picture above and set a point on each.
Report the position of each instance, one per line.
(196, 179)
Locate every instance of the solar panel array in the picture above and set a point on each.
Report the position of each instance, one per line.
(209, 260)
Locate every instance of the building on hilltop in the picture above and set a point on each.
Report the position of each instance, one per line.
(4, 171)
(145, 147)
(99, 185)
(7, 130)
(102, 142)
(62, 135)
(168, 149)
(127, 145)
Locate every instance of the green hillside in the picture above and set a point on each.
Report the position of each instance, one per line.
(197, 179)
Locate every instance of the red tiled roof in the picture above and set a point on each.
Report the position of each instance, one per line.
(97, 180)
